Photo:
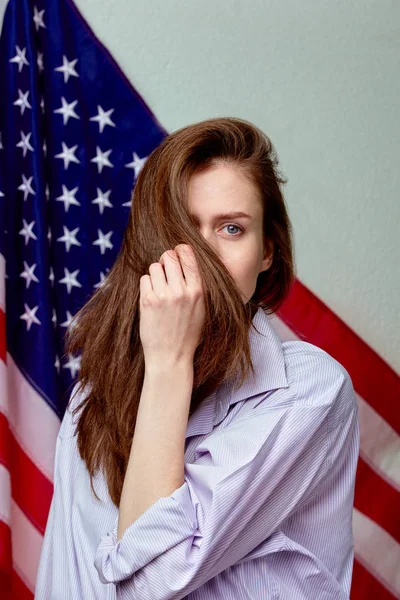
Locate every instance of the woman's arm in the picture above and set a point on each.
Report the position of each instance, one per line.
(156, 463)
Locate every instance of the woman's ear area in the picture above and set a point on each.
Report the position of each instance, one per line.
(268, 255)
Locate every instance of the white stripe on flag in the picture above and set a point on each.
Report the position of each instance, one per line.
(26, 547)
(379, 444)
(5, 494)
(33, 423)
(378, 551)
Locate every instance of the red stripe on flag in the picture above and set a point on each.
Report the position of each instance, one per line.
(19, 589)
(376, 499)
(5, 442)
(372, 377)
(365, 586)
(31, 490)
(5, 562)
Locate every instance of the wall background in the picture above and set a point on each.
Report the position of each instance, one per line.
(321, 80)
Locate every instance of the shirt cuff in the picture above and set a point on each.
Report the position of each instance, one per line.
(163, 525)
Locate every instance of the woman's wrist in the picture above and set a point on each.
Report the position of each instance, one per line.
(168, 383)
(169, 367)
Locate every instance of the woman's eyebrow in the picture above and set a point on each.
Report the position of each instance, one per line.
(231, 215)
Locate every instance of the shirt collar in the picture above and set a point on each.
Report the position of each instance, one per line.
(269, 374)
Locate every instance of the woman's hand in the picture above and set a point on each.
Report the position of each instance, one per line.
(172, 309)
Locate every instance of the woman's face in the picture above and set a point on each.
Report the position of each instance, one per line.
(238, 240)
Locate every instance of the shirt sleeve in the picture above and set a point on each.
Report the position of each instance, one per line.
(245, 481)
(46, 574)
(45, 570)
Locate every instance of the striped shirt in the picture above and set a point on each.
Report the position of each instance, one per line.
(265, 511)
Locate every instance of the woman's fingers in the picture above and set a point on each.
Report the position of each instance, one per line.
(172, 308)
(173, 271)
(145, 286)
(157, 277)
(189, 266)
(180, 271)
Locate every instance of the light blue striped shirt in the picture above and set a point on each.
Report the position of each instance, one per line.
(265, 512)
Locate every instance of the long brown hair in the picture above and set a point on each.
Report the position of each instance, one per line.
(105, 331)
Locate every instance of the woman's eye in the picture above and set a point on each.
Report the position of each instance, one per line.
(236, 227)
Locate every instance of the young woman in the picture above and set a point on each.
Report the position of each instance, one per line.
(201, 457)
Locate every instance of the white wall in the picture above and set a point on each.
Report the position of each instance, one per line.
(322, 80)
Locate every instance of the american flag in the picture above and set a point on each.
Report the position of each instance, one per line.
(74, 135)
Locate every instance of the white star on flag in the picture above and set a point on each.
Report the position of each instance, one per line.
(69, 238)
(51, 276)
(103, 118)
(67, 323)
(103, 241)
(20, 58)
(24, 143)
(23, 101)
(70, 279)
(68, 155)
(101, 159)
(38, 18)
(68, 197)
(67, 110)
(40, 61)
(27, 231)
(68, 68)
(136, 164)
(102, 200)
(73, 364)
(29, 316)
(101, 282)
(28, 274)
(26, 187)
